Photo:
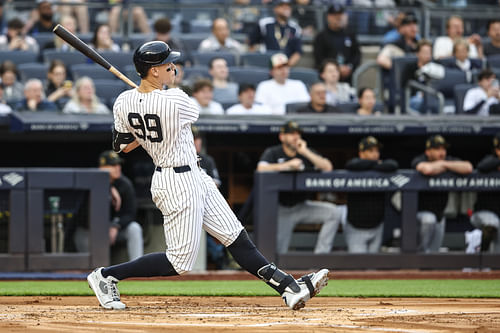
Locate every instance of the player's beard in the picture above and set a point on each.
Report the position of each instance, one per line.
(291, 146)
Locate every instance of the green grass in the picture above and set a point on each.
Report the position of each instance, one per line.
(337, 288)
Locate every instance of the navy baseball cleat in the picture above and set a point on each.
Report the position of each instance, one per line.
(310, 285)
(105, 289)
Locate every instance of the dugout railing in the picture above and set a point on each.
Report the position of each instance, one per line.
(38, 207)
(267, 186)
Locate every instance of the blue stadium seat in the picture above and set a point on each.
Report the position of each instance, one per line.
(69, 58)
(118, 59)
(192, 41)
(195, 72)
(18, 57)
(33, 70)
(130, 72)
(306, 75)
(494, 61)
(459, 94)
(256, 59)
(93, 71)
(203, 58)
(349, 107)
(252, 75)
(137, 40)
(393, 81)
(108, 90)
(43, 38)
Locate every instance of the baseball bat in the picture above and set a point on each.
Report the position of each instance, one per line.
(78, 44)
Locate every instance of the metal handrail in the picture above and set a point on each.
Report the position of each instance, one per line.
(426, 89)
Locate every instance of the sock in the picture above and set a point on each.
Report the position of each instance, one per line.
(153, 264)
(246, 254)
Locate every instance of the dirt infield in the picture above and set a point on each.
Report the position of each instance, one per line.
(249, 314)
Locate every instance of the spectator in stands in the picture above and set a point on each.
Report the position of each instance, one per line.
(69, 22)
(162, 28)
(336, 92)
(123, 226)
(34, 98)
(365, 210)
(80, 12)
(431, 205)
(117, 14)
(179, 81)
(13, 89)
(422, 70)
(293, 154)
(219, 40)
(487, 210)
(305, 17)
(478, 100)
(101, 41)
(318, 104)
(203, 94)
(59, 89)
(367, 102)
(43, 23)
(84, 99)
(335, 42)
(443, 46)
(405, 45)
(461, 54)
(393, 34)
(280, 90)
(224, 91)
(279, 33)
(4, 108)
(14, 40)
(247, 105)
(493, 46)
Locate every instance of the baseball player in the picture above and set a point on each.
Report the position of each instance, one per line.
(160, 121)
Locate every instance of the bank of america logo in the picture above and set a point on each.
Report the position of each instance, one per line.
(13, 178)
(400, 180)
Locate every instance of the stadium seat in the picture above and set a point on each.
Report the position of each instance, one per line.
(248, 75)
(393, 81)
(494, 61)
(33, 70)
(196, 72)
(130, 72)
(118, 59)
(450, 62)
(192, 41)
(108, 90)
(306, 75)
(43, 38)
(293, 107)
(93, 71)
(69, 58)
(459, 94)
(256, 59)
(137, 40)
(350, 107)
(18, 57)
(203, 58)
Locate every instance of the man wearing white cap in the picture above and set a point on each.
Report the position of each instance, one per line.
(280, 90)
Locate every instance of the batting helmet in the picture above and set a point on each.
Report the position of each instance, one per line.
(151, 54)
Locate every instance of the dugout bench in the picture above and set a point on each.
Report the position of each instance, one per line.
(409, 182)
(34, 223)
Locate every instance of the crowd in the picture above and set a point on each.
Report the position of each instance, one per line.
(277, 34)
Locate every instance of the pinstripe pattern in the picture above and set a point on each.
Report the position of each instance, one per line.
(189, 201)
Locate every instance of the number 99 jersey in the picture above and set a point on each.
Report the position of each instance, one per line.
(161, 122)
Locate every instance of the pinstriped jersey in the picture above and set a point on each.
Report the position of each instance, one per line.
(161, 122)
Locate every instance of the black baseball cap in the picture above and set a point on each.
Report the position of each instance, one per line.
(109, 157)
(436, 141)
(409, 19)
(336, 8)
(496, 141)
(369, 142)
(290, 127)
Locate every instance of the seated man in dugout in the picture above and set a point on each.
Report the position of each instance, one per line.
(294, 155)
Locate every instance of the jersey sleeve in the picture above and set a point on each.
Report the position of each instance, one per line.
(188, 110)
(120, 123)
